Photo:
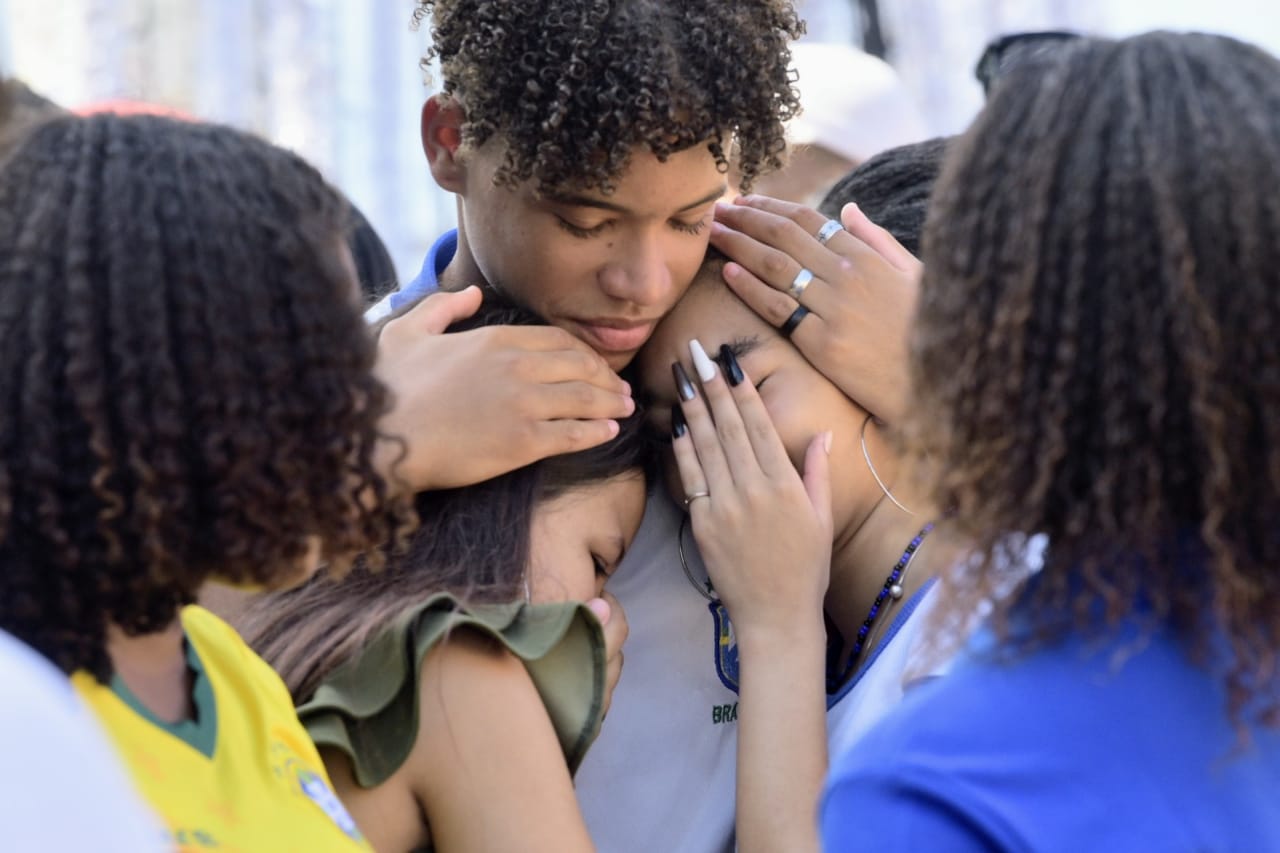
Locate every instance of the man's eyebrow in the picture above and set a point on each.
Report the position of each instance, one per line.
(574, 200)
(706, 199)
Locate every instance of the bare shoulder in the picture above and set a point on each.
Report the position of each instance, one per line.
(457, 675)
(487, 768)
(469, 683)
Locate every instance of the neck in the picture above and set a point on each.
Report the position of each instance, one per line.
(154, 668)
(462, 271)
(865, 553)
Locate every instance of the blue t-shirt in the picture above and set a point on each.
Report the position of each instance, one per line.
(1115, 745)
(426, 282)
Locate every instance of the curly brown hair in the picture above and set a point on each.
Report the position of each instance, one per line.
(184, 374)
(1097, 352)
(573, 86)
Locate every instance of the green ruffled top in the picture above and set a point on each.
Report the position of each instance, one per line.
(368, 707)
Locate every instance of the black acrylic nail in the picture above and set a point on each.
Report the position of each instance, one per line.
(732, 371)
(683, 386)
(678, 424)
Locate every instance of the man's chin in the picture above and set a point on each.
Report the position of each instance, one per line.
(618, 360)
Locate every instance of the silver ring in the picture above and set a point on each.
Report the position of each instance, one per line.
(693, 497)
(829, 229)
(799, 283)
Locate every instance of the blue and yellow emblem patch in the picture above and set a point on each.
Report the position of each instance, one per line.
(726, 647)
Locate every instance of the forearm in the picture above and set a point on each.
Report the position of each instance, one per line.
(488, 769)
(782, 741)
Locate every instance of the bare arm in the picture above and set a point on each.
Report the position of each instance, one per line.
(487, 768)
(782, 741)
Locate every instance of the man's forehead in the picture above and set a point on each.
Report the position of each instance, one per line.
(693, 197)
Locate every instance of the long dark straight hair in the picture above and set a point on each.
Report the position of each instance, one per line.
(473, 542)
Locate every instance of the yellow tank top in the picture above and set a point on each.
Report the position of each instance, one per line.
(245, 776)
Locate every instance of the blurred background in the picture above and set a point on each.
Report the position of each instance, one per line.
(339, 80)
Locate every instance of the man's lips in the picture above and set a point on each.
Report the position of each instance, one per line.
(615, 335)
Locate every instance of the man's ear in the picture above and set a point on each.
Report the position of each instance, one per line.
(441, 140)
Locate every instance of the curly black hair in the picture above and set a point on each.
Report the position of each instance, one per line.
(573, 86)
(184, 375)
(892, 189)
(1097, 349)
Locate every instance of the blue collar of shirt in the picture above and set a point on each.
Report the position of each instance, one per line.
(428, 280)
(904, 614)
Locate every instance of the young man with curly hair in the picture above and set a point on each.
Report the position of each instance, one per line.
(587, 142)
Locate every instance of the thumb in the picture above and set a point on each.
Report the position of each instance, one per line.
(614, 620)
(817, 475)
(440, 310)
(601, 609)
(878, 239)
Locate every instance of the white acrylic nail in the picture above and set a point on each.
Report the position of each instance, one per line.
(701, 362)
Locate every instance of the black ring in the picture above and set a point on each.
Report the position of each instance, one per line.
(794, 320)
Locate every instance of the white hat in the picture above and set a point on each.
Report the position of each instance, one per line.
(854, 104)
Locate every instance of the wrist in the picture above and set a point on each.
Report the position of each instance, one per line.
(800, 637)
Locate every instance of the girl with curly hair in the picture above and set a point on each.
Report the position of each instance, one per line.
(188, 396)
(1114, 255)
(1094, 360)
